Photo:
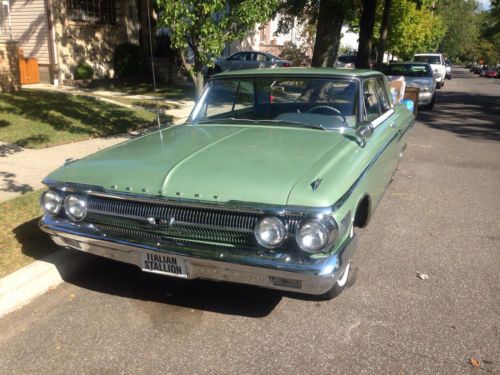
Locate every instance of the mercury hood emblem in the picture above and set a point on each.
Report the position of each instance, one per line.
(159, 221)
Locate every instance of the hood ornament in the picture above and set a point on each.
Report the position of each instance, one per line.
(315, 184)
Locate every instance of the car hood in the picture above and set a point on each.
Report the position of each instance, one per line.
(216, 163)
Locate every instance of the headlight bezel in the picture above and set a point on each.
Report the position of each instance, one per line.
(59, 204)
(327, 224)
(67, 209)
(282, 227)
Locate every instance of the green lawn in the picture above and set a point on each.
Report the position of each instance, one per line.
(21, 241)
(38, 119)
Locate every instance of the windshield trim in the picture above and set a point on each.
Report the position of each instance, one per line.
(197, 107)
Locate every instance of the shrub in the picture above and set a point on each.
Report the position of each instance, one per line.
(128, 60)
(293, 53)
(84, 71)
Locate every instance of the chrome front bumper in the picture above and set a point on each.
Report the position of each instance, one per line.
(275, 271)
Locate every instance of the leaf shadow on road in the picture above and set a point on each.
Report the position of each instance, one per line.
(472, 116)
(124, 280)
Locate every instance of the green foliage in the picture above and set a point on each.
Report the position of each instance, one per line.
(413, 29)
(293, 53)
(84, 71)
(488, 49)
(461, 19)
(206, 26)
(128, 60)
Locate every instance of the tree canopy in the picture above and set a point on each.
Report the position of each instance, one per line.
(205, 26)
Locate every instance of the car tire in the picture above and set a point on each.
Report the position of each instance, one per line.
(344, 281)
(439, 85)
(430, 106)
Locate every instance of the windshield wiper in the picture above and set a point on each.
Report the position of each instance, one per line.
(286, 122)
(296, 123)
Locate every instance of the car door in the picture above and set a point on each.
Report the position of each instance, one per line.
(262, 61)
(382, 146)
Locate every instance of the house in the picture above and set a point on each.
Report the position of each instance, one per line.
(56, 35)
(264, 38)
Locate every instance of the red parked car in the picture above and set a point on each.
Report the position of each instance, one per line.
(491, 73)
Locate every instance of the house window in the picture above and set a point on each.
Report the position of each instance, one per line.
(99, 11)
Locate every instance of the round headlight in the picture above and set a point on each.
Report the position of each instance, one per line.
(51, 202)
(312, 236)
(75, 207)
(270, 232)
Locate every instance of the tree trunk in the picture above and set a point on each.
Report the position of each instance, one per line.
(199, 84)
(383, 34)
(366, 26)
(330, 19)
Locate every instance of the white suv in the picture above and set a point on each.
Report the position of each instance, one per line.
(436, 60)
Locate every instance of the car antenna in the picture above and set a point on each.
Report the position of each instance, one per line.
(153, 66)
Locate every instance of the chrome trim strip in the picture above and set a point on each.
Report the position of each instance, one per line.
(349, 191)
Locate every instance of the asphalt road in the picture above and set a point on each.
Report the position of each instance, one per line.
(440, 217)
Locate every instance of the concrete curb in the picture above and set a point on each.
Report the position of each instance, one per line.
(22, 286)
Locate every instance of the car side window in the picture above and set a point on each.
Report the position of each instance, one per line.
(371, 100)
(383, 98)
(261, 57)
(238, 57)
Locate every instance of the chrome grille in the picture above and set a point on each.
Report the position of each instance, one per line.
(174, 221)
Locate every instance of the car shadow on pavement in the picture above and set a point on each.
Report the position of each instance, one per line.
(124, 280)
(472, 116)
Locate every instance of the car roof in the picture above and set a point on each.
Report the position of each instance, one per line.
(300, 71)
(427, 54)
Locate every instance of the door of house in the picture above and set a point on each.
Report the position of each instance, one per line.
(28, 69)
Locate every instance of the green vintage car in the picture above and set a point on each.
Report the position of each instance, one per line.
(264, 184)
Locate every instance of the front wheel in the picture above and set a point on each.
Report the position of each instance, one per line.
(339, 285)
(439, 85)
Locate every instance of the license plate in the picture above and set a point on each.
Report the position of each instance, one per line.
(163, 264)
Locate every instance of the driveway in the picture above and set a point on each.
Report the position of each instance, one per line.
(440, 217)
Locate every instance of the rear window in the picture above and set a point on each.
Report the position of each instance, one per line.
(407, 70)
(347, 59)
(428, 59)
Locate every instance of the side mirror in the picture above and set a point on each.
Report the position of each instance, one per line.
(365, 131)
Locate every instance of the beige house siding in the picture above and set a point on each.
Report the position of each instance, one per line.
(93, 43)
(29, 28)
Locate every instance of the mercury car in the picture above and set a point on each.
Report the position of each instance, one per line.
(418, 75)
(267, 183)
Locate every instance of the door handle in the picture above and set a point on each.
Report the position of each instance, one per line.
(393, 125)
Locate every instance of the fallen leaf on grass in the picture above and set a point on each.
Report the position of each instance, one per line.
(422, 276)
(474, 362)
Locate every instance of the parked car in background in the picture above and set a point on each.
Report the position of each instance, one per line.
(436, 61)
(248, 60)
(418, 75)
(475, 68)
(448, 67)
(491, 73)
(482, 71)
(346, 61)
(266, 184)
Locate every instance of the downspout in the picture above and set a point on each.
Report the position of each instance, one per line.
(52, 41)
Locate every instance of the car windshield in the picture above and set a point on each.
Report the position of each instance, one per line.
(408, 70)
(325, 103)
(428, 59)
